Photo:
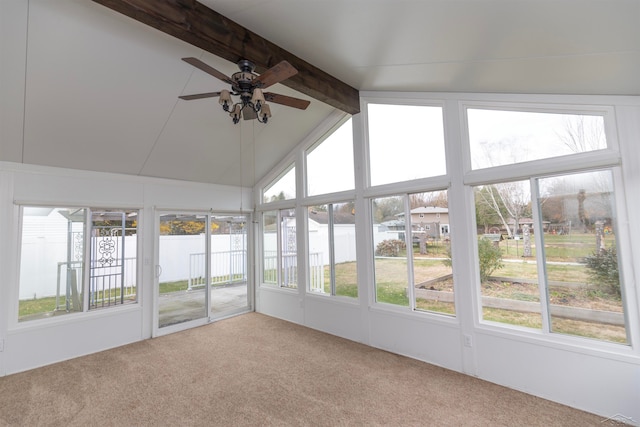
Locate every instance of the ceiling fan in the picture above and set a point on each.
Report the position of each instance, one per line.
(248, 86)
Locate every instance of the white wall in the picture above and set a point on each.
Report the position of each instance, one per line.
(598, 377)
(39, 342)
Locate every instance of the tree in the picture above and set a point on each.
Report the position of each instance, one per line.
(180, 227)
(387, 208)
(603, 270)
(279, 196)
(583, 133)
(505, 200)
(489, 258)
(487, 213)
(432, 198)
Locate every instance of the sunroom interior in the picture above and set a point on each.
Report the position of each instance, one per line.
(461, 189)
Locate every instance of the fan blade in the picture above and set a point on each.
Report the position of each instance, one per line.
(200, 96)
(207, 69)
(286, 100)
(248, 113)
(275, 74)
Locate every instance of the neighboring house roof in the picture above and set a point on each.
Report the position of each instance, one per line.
(394, 224)
(426, 210)
(429, 209)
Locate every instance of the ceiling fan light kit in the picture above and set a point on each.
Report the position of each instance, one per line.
(248, 86)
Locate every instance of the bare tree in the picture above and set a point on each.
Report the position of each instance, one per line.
(506, 200)
(583, 133)
(431, 198)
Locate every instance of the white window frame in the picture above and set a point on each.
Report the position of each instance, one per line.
(86, 262)
(609, 158)
(331, 245)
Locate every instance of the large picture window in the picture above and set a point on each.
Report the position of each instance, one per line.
(547, 245)
(57, 278)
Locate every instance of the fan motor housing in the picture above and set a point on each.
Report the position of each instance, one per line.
(243, 79)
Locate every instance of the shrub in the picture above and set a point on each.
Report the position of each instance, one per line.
(603, 270)
(390, 247)
(490, 257)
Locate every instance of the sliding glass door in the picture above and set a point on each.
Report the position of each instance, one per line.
(201, 268)
(181, 269)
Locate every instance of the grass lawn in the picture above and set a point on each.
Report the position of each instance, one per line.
(563, 248)
(33, 307)
(29, 307)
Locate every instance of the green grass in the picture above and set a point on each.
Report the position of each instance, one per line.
(563, 248)
(32, 307)
(561, 326)
(556, 272)
(527, 320)
(435, 306)
(36, 306)
(434, 249)
(168, 287)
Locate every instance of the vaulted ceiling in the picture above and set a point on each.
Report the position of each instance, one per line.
(83, 86)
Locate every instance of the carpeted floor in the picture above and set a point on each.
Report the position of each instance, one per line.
(257, 370)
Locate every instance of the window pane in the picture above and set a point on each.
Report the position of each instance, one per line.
(228, 263)
(270, 247)
(330, 164)
(405, 142)
(506, 254)
(319, 250)
(289, 272)
(332, 249)
(432, 268)
(344, 247)
(580, 254)
(505, 137)
(51, 261)
(113, 272)
(390, 261)
(182, 258)
(284, 188)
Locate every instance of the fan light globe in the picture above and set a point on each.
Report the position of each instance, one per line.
(225, 99)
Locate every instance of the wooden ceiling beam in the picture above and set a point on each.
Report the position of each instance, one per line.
(200, 26)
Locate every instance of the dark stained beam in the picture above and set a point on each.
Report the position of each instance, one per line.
(200, 26)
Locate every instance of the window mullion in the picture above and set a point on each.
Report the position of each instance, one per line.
(332, 254)
(408, 240)
(207, 265)
(87, 259)
(279, 262)
(540, 257)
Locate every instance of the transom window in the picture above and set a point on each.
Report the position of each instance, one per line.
(406, 142)
(282, 188)
(499, 137)
(330, 163)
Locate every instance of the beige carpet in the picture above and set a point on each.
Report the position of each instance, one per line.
(257, 370)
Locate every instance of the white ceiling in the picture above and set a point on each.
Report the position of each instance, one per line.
(87, 88)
